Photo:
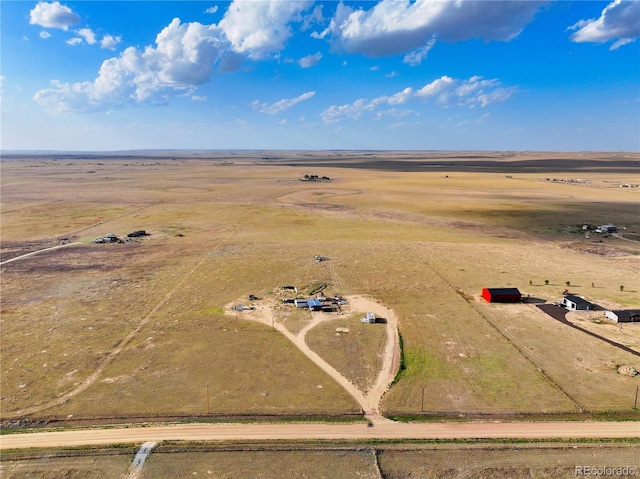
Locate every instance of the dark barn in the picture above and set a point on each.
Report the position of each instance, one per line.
(502, 295)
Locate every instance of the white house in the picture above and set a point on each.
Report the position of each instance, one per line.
(576, 303)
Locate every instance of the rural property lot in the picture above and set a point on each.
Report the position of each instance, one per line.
(139, 328)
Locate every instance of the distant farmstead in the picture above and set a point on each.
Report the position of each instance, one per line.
(624, 315)
(502, 295)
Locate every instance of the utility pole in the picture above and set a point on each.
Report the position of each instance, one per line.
(635, 403)
(422, 403)
(207, 399)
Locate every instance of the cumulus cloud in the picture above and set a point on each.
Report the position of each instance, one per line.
(88, 35)
(53, 15)
(182, 59)
(109, 42)
(620, 21)
(260, 28)
(44, 34)
(310, 60)
(213, 9)
(74, 41)
(400, 26)
(445, 91)
(282, 105)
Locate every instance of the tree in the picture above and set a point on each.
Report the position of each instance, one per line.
(568, 283)
(621, 287)
(546, 281)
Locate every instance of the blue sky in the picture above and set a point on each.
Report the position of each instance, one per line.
(423, 74)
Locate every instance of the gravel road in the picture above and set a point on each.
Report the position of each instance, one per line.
(380, 430)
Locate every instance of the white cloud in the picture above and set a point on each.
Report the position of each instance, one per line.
(399, 26)
(183, 58)
(392, 74)
(310, 60)
(261, 28)
(315, 16)
(416, 57)
(53, 15)
(445, 91)
(213, 9)
(620, 20)
(198, 98)
(109, 42)
(74, 41)
(282, 105)
(44, 34)
(88, 35)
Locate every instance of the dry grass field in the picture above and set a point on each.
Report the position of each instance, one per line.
(315, 461)
(73, 464)
(353, 348)
(139, 329)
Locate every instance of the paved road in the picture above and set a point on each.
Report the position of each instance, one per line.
(382, 429)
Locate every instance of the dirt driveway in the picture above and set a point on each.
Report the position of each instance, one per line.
(559, 313)
(370, 400)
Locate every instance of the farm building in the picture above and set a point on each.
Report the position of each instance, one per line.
(502, 295)
(606, 229)
(624, 315)
(576, 303)
(301, 303)
(369, 318)
(312, 304)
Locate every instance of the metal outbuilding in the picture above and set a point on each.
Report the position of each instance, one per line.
(623, 315)
(314, 305)
(369, 318)
(301, 303)
(502, 295)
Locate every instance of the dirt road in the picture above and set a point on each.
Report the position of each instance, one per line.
(33, 253)
(387, 430)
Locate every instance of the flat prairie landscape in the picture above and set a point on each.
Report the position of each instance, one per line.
(139, 329)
